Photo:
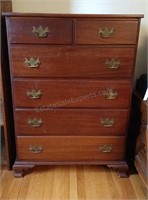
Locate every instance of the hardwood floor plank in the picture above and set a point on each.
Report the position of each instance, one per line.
(102, 187)
(71, 183)
(9, 186)
(15, 189)
(61, 183)
(5, 181)
(49, 183)
(91, 182)
(1, 172)
(73, 192)
(139, 187)
(81, 183)
(113, 188)
(125, 188)
(37, 183)
(25, 187)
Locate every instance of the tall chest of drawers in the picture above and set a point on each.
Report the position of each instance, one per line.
(71, 79)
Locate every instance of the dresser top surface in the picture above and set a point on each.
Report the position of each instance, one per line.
(126, 16)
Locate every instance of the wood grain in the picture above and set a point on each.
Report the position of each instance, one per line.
(20, 30)
(72, 75)
(71, 93)
(72, 183)
(87, 32)
(71, 61)
(69, 148)
(70, 122)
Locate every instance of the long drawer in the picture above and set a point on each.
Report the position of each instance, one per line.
(39, 30)
(71, 93)
(70, 122)
(31, 61)
(70, 148)
(106, 32)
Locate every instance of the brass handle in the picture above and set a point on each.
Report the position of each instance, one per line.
(36, 148)
(106, 32)
(110, 94)
(40, 31)
(34, 94)
(106, 148)
(32, 62)
(112, 64)
(107, 122)
(35, 122)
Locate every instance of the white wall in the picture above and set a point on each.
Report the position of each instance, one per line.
(95, 7)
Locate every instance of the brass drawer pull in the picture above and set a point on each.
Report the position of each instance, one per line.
(35, 122)
(34, 94)
(36, 148)
(107, 122)
(112, 64)
(110, 94)
(32, 62)
(106, 148)
(40, 31)
(106, 32)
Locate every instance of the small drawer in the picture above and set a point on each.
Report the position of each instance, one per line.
(73, 148)
(45, 61)
(57, 93)
(39, 30)
(70, 122)
(106, 32)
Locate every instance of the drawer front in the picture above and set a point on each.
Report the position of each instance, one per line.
(39, 30)
(70, 148)
(70, 122)
(71, 93)
(106, 32)
(45, 61)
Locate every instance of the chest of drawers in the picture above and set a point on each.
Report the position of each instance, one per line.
(71, 79)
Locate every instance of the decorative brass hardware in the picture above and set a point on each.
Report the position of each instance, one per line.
(106, 148)
(107, 122)
(106, 32)
(110, 94)
(33, 94)
(32, 62)
(36, 148)
(112, 64)
(35, 122)
(40, 31)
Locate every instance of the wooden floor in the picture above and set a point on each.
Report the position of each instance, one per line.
(71, 183)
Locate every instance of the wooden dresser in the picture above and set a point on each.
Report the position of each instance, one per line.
(71, 78)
